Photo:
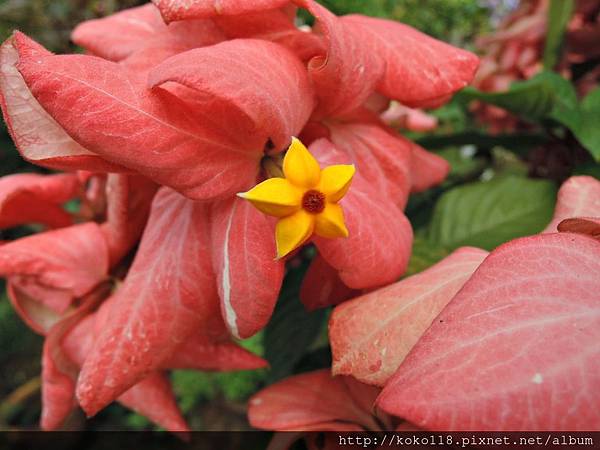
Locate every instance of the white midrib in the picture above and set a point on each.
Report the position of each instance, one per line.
(230, 315)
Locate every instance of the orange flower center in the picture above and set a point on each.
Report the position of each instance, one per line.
(313, 201)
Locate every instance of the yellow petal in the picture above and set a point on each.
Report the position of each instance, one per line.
(292, 231)
(300, 167)
(335, 181)
(330, 223)
(275, 197)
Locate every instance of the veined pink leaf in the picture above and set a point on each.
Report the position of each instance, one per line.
(347, 73)
(322, 286)
(577, 197)
(59, 369)
(32, 198)
(382, 159)
(273, 25)
(58, 388)
(173, 10)
(427, 169)
(120, 35)
(40, 307)
(203, 352)
(38, 137)
(154, 398)
(420, 71)
(301, 401)
(516, 349)
(73, 259)
(139, 35)
(400, 116)
(581, 225)
(248, 276)
(169, 291)
(263, 80)
(194, 146)
(128, 205)
(377, 250)
(371, 335)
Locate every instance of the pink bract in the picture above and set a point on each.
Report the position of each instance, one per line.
(170, 114)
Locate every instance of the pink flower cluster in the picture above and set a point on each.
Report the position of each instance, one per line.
(172, 111)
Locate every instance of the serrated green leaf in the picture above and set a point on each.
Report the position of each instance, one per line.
(487, 214)
(292, 330)
(559, 13)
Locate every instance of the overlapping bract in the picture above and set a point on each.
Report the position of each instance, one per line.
(192, 107)
(514, 349)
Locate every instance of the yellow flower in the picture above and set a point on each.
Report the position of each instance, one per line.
(305, 201)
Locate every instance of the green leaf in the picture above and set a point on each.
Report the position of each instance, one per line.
(464, 164)
(424, 255)
(591, 169)
(547, 95)
(559, 14)
(487, 214)
(587, 130)
(517, 142)
(292, 330)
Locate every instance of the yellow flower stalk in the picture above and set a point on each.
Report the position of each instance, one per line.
(305, 200)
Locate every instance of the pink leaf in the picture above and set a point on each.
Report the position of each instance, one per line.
(117, 36)
(577, 197)
(205, 146)
(38, 306)
(128, 205)
(139, 38)
(248, 276)
(169, 292)
(581, 225)
(31, 198)
(299, 402)
(58, 388)
(202, 352)
(377, 251)
(129, 32)
(153, 398)
(173, 10)
(39, 138)
(427, 169)
(268, 84)
(516, 349)
(273, 25)
(73, 259)
(322, 286)
(59, 367)
(371, 335)
(420, 71)
(347, 73)
(400, 116)
(382, 159)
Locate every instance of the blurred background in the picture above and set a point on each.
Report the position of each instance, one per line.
(481, 143)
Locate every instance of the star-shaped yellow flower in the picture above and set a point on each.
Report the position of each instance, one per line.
(306, 200)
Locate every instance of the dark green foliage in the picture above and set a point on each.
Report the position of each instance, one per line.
(457, 21)
(292, 330)
(487, 213)
(559, 14)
